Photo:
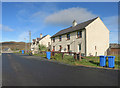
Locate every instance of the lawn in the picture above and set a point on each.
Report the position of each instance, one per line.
(87, 61)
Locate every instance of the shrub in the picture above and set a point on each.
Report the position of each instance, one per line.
(42, 47)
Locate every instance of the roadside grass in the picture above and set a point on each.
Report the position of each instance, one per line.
(68, 59)
(89, 61)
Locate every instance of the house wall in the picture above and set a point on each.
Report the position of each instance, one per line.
(97, 35)
(73, 42)
(45, 40)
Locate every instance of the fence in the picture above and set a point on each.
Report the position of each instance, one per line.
(76, 55)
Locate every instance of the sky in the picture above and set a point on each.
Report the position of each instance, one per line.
(18, 18)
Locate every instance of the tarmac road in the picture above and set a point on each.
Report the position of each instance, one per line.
(24, 70)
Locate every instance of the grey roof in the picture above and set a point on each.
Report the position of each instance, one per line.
(77, 27)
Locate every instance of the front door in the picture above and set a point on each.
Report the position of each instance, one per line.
(68, 48)
(79, 47)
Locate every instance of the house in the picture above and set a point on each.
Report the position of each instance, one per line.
(7, 49)
(114, 49)
(91, 38)
(43, 40)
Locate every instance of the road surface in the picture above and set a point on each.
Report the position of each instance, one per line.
(24, 70)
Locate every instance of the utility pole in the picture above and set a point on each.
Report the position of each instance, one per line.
(30, 39)
(25, 45)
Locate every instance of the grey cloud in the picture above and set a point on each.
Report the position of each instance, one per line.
(66, 16)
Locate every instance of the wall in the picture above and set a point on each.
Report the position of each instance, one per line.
(45, 40)
(97, 35)
(73, 42)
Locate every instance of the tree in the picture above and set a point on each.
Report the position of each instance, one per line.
(42, 47)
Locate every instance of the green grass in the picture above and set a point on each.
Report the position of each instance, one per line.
(41, 55)
(68, 59)
(90, 61)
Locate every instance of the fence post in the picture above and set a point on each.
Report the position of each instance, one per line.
(79, 56)
(62, 55)
(75, 56)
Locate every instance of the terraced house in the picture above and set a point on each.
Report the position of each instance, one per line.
(43, 40)
(91, 38)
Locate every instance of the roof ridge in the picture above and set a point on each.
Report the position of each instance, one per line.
(70, 29)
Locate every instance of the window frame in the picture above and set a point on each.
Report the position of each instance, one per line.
(53, 39)
(60, 38)
(68, 37)
(80, 34)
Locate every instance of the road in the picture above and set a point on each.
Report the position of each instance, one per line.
(24, 70)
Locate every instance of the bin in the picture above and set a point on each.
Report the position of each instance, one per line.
(48, 55)
(102, 61)
(22, 51)
(111, 61)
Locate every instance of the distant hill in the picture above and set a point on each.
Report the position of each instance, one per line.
(15, 45)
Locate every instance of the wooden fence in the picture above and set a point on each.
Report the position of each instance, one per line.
(63, 53)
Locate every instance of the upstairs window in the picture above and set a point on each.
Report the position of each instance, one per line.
(68, 36)
(79, 34)
(53, 39)
(60, 38)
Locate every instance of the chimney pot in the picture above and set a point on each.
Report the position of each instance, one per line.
(74, 23)
(41, 35)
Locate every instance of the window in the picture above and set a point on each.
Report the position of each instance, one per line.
(37, 42)
(48, 43)
(79, 46)
(60, 48)
(60, 38)
(68, 36)
(95, 47)
(68, 48)
(79, 34)
(53, 39)
(53, 48)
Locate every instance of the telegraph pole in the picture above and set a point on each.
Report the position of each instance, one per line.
(30, 39)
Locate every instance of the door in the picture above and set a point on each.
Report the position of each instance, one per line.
(68, 48)
(79, 47)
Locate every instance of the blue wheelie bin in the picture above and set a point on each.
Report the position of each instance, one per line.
(48, 55)
(22, 51)
(111, 61)
(102, 61)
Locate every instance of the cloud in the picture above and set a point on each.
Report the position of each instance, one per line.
(38, 16)
(5, 28)
(66, 16)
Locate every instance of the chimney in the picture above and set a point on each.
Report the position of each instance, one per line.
(74, 23)
(41, 35)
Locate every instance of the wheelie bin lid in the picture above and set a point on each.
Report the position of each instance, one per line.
(111, 56)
